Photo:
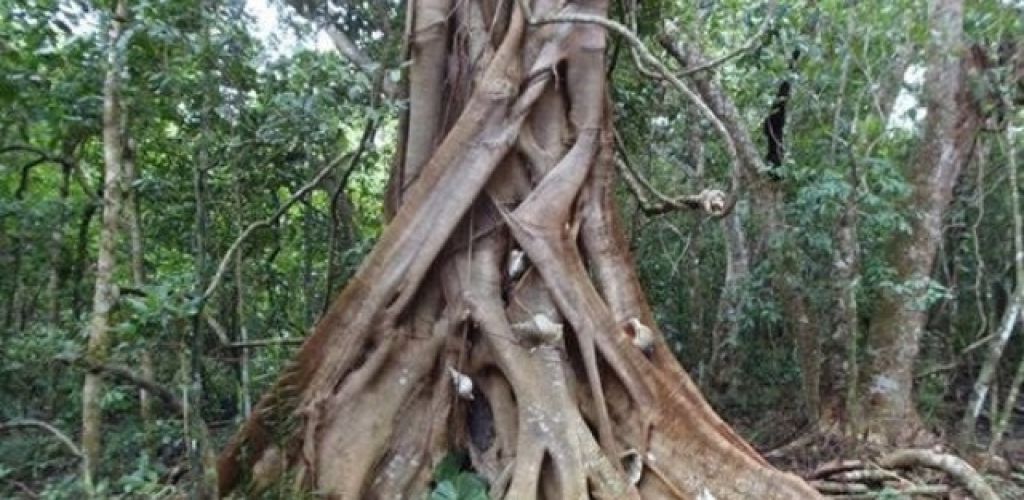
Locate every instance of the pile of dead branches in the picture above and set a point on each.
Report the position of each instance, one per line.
(899, 473)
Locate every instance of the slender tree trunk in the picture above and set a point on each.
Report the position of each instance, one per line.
(840, 407)
(1011, 315)
(310, 309)
(950, 129)
(241, 320)
(79, 271)
(53, 284)
(133, 222)
(725, 361)
(554, 363)
(14, 318)
(132, 215)
(200, 452)
(104, 297)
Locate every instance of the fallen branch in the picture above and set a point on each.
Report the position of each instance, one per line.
(22, 423)
(835, 467)
(912, 491)
(836, 487)
(866, 476)
(960, 470)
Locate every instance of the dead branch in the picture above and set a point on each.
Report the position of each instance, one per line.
(22, 423)
(24, 489)
(866, 476)
(835, 487)
(222, 335)
(911, 492)
(834, 467)
(952, 465)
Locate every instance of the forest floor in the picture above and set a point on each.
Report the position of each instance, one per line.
(866, 479)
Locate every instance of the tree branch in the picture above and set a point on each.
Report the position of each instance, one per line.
(302, 192)
(126, 375)
(22, 423)
(712, 201)
(43, 157)
(350, 51)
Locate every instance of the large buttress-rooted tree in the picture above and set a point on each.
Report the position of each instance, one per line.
(504, 262)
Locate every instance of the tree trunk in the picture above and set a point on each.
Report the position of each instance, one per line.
(840, 408)
(725, 361)
(79, 271)
(53, 285)
(138, 267)
(104, 296)
(520, 160)
(241, 320)
(132, 217)
(950, 129)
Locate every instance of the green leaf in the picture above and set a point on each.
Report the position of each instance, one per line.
(445, 490)
(449, 467)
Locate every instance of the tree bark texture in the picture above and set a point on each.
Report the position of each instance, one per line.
(950, 129)
(515, 157)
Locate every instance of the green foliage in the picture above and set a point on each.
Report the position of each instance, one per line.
(268, 120)
(453, 482)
